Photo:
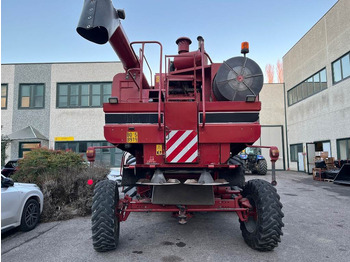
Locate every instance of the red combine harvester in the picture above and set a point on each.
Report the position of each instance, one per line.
(182, 135)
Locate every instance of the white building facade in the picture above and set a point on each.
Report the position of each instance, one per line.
(317, 83)
(58, 106)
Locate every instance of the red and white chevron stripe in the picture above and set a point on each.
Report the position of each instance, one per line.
(182, 146)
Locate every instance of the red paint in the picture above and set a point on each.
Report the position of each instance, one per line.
(226, 200)
(180, 100)
(179, 97)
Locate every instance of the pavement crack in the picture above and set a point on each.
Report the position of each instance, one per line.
(30, 239)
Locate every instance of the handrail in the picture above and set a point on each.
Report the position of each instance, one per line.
(150, 70)
(133, 79)
(203, 80)
(141, 68)
(208, 57)
(160, 73)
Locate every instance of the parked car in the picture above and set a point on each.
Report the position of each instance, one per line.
(10, 167)
(21, 205)
(115, 175)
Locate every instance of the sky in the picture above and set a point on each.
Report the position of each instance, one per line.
(44, 31)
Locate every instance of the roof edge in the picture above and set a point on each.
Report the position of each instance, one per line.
(310, 29)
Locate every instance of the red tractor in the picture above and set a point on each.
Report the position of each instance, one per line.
(183, 134)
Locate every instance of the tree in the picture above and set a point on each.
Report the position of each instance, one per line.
(279, 70)
(270, 72)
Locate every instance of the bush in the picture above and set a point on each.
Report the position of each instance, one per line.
(68, 195)
(62, 177)
(41, 162)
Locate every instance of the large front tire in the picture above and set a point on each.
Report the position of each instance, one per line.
(105, 221)
(262, 231)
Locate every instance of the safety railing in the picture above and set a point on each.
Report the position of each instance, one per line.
(142, 59)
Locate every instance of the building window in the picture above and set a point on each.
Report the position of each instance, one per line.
(71, 95)
(323, 146)
(106, 156)
(3, 96)
(26, 147)
(307, 88)
(31, 96)
(294, 150)
(341, 68)
(343, 148)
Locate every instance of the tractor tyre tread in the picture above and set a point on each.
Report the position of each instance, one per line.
(262, 167)
(235, 176)
(268, 227)
(105, 222)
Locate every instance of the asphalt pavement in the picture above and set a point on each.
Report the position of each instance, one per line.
(317, 228)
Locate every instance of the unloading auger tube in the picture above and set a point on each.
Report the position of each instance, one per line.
(180, 136)
(100, 23)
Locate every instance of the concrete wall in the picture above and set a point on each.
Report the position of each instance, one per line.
(15, 119)
(80, 123)
(8, 77)
(38, 118)
(325, 115)
(272, 105)
(272, 116)
(84, 124)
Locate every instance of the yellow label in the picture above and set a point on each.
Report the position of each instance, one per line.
(132, 137)
(159, 150)
(64, 138)
(157, 79)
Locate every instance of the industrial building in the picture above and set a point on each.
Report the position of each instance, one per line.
(317, 83)
(58, 106)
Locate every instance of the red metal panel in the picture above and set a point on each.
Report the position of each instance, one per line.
(130, 107)
(209, 154)
(117, 134)
(153, 154)
(181, 132)
(230, 106)
(181, 115)
(229, 133)
(224, 152)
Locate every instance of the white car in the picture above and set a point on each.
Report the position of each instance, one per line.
(21, 205)
(115, 175)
